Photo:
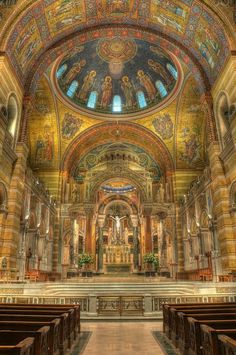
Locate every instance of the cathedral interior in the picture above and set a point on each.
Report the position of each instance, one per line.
(117, 141)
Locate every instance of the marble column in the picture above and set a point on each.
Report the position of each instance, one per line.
(22, 251)
(88, 230)
(134, 220)
(75, 243)
(148, 229)
(3, 214)
(101, 221)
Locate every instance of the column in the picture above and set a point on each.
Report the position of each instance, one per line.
(134, 220)
(11, 234)
(148, 229)
(3, 215)
(16, 192)
(88, 210)
(220, 193)
(101, 221)
(75, 243)
(22, 251)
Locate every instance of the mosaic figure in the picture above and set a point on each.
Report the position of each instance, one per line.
(87, 85)
(128, 91)
(106, 92)
(146, 82)
(159, 69)
(44, 146)
(192, 147)
(70, 126)
(39, 149)
(75, 70)
(164, 126)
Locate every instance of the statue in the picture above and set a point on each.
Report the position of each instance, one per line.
(75, 194)
(117, 219)
(160, 193)
(28, 257)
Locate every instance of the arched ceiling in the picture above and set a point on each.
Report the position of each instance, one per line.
(125, 133)
(116, 153)
(117, 76)
(173, 137)
(36, 26)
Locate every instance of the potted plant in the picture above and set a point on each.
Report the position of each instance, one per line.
(85, 260)
(152, 261)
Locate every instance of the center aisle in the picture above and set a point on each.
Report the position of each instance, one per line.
(122, 338)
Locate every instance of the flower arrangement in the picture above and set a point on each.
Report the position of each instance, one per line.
(85, 259)
(151, 258)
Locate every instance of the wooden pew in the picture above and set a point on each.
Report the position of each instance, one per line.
(195, 333)
(184, 331)
(41, 338)
(210, 344)
(24, 347)
(54, 331)
(64, 307)
(169, 312)
(43, 318)
(227, 345)
(70, 326)
(174, 319)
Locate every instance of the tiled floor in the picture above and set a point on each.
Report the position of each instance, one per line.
(122, 338)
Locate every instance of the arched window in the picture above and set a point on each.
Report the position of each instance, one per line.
(172, 70)
(116, 105)
(72, 89)
(92, 99)
(61, 71)
(12, 110)
(141, 99)
(161, 88)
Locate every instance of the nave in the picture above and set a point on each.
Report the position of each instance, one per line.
(122, 338)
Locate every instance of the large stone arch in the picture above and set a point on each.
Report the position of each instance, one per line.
(128, 133)
(108, 175)
(122, 200)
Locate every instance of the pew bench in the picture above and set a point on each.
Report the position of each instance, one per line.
(24, 347)
(64, 307)
(41, 338)
(210, 344)
(195, 346)
(175, 319)
(54, 331)
(63, 318)
(69, 325)
(169, 318)
(184, 332)
(227, 345)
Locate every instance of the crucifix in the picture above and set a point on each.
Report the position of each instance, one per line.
(117, 219)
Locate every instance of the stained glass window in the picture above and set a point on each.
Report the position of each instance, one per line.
(161, 88)
(116, 105)
(72, 89)
(172, 70)
(92, 99)
(61, 70)
(141, 99)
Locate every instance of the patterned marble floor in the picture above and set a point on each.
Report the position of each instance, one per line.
(122, 338)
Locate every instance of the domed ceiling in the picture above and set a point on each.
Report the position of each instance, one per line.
(116, 75)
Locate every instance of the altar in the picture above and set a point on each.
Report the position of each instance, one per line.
(118, 259)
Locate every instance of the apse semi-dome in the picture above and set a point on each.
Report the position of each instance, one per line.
(117, 76)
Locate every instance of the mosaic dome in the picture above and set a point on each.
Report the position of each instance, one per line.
(117, 76)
